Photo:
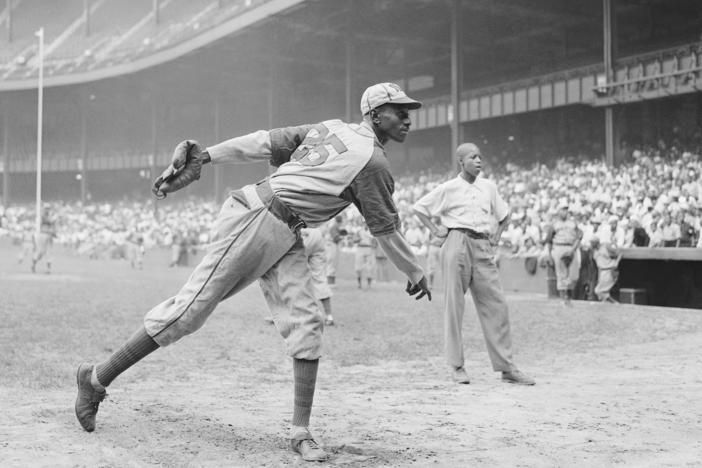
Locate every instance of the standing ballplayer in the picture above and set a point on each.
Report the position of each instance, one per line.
(336, 233)
(563, 241)
(473, 216)
(322, 169)
(44, 240)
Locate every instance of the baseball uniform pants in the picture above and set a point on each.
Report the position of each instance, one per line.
(364, 262)
(566, 275)
(469, 263)
(333, 249)
(43, 246)
(249, 243)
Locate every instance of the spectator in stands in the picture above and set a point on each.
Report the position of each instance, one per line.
(639, 236)
(656, 235)
(416, 237)
(670, 231)
(612, 232)
(688, 234)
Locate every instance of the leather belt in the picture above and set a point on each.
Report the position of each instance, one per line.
(279, 209)
(471, 233)
(274, 204)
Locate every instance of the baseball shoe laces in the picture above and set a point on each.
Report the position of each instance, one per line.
(308, 448)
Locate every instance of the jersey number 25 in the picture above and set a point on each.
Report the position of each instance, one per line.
(318, 147)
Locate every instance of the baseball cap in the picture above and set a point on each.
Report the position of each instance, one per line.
(385, 93)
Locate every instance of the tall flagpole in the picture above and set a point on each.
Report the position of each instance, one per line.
(40, 112)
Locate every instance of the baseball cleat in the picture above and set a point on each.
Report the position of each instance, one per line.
(88, 398)
(305, 445)
(460, 376)
(515, 376)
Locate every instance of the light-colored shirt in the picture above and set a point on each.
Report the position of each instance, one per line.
(565, 232)
(461, 204)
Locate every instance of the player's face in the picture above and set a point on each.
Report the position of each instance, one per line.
(472, 164)
(393, 123)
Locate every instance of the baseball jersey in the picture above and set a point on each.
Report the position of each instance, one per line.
(48, 225)
(323, 168)
(564, 232)
(461, 204)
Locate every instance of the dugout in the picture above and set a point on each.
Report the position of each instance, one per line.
(670, 277)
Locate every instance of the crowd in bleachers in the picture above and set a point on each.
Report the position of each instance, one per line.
(656, 194)
(104, 229)
(654, 200)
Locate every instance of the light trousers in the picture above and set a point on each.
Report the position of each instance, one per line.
(469, 263)
(249, 243)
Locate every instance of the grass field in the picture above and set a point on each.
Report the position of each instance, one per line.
(616, 385)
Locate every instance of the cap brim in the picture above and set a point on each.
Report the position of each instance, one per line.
(407, 102)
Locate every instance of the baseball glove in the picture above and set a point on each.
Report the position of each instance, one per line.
(567, 259)
(185, 167)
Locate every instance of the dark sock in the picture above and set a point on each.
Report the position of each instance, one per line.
(138, 346)
(305, 375)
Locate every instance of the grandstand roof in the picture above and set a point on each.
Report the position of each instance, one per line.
(503, 39)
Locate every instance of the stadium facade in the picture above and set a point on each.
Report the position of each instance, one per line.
(528, 80)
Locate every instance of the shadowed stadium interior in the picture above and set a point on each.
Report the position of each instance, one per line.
(125, 80)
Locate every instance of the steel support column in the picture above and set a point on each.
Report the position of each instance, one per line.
(86, 14)
(154, 144)
(83, 149)
(610, 47)
(348, 81)
(9, 20)
(456, 75)
(6, 156)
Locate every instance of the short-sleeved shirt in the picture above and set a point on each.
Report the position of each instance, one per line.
(461, 204)
(565, 232)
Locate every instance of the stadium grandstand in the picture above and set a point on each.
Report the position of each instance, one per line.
(530, 80)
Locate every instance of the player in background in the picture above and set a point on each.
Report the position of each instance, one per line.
(607, 259)
(321, 169)
(336, 234)
(135, 249)
(364, 257)
(316, 252)
(473, 216)
(44, 240)
(563, 242)
(26, 247)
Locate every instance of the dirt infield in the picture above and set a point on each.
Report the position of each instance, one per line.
(616, 385)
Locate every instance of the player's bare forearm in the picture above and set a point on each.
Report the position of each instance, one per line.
(400, 254)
